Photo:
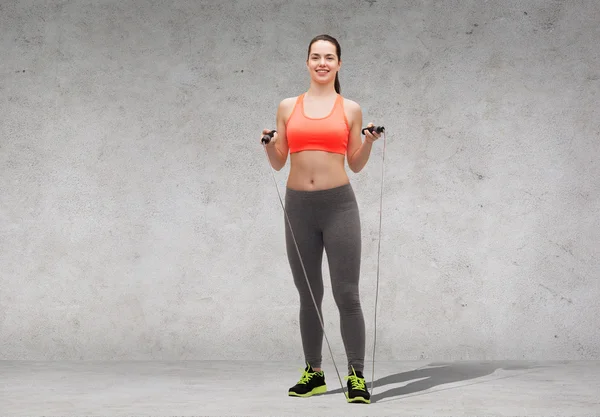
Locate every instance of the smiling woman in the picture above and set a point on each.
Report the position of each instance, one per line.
(319, 129)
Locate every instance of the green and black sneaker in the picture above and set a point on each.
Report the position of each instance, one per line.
(357, 390)
(310, 383)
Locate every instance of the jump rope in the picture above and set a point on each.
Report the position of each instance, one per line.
(379, 129)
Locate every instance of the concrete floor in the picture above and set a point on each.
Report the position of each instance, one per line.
(242, 388)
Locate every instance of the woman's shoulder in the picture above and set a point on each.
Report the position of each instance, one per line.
(288, 102)
(286, 106)
(351, 107)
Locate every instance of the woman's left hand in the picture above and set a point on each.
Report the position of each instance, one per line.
(371, 137)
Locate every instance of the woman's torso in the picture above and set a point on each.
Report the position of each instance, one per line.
(315, 169)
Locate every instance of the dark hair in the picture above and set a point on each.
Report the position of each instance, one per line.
(338, 49)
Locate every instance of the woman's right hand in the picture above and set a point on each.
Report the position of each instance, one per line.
(273, 140)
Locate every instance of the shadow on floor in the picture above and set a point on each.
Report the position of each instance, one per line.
(437, 373)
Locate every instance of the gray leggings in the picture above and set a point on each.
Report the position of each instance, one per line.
(327, 219)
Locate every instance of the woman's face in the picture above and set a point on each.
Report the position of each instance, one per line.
(322, 62)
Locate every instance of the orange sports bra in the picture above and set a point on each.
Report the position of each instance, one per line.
(329, 133)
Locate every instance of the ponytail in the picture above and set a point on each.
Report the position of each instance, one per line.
(337, 83)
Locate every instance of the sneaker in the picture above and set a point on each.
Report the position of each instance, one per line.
(310, 383)
(357, 390)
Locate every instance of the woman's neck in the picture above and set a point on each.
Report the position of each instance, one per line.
(320, 90)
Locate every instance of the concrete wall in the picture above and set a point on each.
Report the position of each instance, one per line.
(139, 218)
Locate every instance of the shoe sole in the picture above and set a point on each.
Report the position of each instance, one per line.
(359, 400)
(315, 391)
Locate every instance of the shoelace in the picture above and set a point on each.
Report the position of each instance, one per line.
(306, 376)
(357, 383)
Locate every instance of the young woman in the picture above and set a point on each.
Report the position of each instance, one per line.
(319, 129)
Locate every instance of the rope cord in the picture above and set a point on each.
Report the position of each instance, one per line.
(308, 283)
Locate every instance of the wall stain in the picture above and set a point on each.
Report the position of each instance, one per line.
(556, 294)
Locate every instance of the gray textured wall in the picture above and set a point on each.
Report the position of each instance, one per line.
(139, 218)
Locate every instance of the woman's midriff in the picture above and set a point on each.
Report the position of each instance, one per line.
(316, 170)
